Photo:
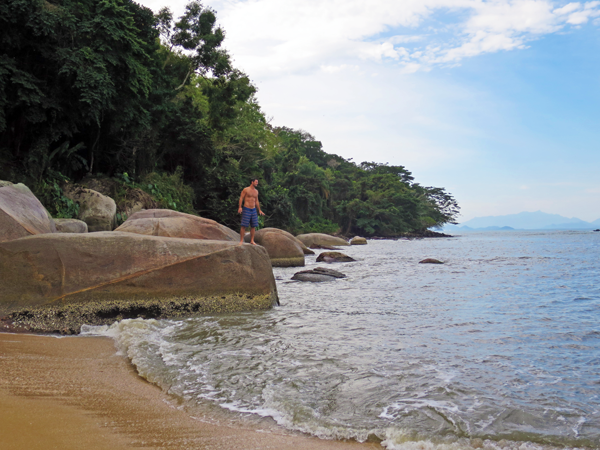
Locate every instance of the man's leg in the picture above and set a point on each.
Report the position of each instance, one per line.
(252, 236)
(242, 234)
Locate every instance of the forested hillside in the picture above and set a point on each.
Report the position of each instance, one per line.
(107, 88)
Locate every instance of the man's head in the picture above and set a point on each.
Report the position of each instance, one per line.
(254, 182)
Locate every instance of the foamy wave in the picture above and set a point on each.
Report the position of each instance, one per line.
(143, 342)
(401, 440)
(148, 345)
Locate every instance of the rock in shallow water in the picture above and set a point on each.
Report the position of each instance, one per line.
(323, 247)
(334, 257)
(283, 248)
(431, 261)
(310, 239)
(318, 275)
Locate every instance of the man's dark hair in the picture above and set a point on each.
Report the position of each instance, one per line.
(253, 179)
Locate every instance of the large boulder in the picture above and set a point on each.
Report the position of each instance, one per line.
(283, 250)
(321, 239)
(21, 213)
(305, 249)
(357, 240)
(57, 282)
(169, 223)
(70, 226)
(95, 209)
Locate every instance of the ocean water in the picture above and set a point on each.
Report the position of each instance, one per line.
(497, 348)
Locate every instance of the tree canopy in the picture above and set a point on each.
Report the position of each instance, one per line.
(107, 87)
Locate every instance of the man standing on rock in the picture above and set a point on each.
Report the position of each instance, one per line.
(249, 198)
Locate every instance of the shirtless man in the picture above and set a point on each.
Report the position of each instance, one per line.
(249, 198)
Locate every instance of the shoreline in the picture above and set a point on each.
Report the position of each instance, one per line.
(77, 392)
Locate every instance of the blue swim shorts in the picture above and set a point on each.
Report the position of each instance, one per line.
(249, 217)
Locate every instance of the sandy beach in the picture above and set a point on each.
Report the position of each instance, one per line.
(76, 392)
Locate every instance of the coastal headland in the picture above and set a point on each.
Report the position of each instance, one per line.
(77, 392)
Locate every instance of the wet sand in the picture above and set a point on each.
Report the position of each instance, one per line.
(76, 392)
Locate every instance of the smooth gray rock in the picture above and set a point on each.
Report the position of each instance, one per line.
(95, 209)
(70, 226)
(312, 277)
(318, 275)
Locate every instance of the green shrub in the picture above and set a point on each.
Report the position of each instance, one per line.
(320, 225)
(51, 195)
(169, 191)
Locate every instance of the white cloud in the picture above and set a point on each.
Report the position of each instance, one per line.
(271, 37)
(340, 68)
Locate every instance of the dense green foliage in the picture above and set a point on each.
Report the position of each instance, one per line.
(107, 87)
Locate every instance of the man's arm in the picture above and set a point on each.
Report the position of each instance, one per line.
(258, 207)
(242, 195)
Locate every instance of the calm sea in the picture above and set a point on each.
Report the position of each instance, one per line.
(497, 348)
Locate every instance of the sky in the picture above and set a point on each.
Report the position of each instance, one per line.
(496, 101)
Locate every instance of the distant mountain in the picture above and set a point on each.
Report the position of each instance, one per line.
(526, 221)
(451, 228)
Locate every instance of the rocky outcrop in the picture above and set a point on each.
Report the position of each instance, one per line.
(283, 248)
(330, 257)
(357, 240)
(70, 226)
(169, 223)
(318, 275)
(95, 209)
(321, 239)
(57, 282)
(21, 213)
(430, 261)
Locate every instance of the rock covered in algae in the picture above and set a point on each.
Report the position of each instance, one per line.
(57, 282)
